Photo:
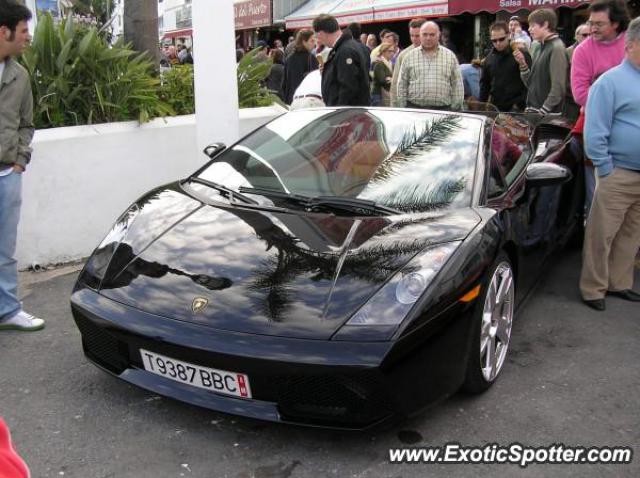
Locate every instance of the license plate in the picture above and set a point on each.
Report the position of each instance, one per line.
(220, 381)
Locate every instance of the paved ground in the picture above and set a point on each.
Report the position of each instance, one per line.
(572, 377)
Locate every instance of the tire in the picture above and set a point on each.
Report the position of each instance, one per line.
(491, 327)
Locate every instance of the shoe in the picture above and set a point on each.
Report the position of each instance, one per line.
(626, 294)
(23, 322)
(597, 304)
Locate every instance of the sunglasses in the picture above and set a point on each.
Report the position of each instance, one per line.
(585, 35)
(598, 24)
(498, 40)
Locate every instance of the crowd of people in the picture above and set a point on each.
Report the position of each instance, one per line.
(532, 72)
(171, 55)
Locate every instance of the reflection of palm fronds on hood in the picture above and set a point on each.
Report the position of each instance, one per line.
(274, 279)
(414, 144)
(278, 272)
(424, 197)
(379, 261)
(412, 220)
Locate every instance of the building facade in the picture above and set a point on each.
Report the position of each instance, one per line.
(174, 21)
(466, 21)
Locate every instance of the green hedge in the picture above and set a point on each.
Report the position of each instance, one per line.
(78, 78)
(177, 85)
(251, 74)
(177, 89)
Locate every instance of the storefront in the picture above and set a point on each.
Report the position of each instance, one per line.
(177, 26)
(251, 16)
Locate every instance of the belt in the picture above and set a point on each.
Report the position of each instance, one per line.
(427, 107)
(308, 96)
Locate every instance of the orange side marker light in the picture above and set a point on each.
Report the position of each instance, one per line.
(471, 295)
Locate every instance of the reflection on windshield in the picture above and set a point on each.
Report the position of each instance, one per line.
(393, 183)
(410, 161)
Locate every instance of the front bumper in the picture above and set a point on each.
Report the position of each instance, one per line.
(335, 384)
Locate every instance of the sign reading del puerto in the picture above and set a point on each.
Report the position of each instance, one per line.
(252, 14)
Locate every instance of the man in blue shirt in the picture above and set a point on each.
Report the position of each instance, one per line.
(612, 141)
(471, 79)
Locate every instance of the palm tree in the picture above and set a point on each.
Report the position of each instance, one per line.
(141, 26)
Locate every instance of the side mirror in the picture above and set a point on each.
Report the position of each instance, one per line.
(547, 174)
(214, 149)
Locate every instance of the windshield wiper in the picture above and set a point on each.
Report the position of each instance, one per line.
(353, 205)
(230, 193)
(300, 199)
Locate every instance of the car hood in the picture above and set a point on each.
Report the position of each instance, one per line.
(292, 274)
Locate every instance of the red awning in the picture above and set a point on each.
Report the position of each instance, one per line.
(365, 11)
(492, 6)
(185, 32)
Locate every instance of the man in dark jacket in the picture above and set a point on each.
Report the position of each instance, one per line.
(500, 82)
(345, 78)
(356, 30)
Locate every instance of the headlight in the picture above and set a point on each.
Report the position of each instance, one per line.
(96, 267)
(391, 304)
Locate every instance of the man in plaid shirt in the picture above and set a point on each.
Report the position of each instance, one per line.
(430, 75)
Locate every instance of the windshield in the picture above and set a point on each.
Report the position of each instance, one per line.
(405, 160)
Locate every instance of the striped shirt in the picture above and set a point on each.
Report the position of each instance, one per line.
(427, 80)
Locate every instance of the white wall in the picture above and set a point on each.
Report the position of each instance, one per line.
(81, 178)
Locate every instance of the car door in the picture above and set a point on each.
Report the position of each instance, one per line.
(528, 213)
(554, 144)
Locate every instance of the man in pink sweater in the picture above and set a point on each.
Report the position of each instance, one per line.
(604, 50)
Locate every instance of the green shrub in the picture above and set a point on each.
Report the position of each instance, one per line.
(178, 92)
(77, 78)
(177, 89)
(251, 74)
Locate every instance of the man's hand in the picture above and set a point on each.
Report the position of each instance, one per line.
(519, 56)
(18, 169)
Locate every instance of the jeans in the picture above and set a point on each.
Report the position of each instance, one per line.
(10, 202)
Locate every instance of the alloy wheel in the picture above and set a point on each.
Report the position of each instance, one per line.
(497, 318)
